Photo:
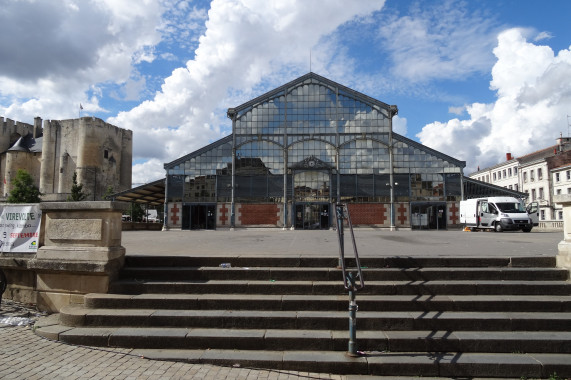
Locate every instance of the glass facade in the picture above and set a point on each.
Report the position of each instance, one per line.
(313, 140)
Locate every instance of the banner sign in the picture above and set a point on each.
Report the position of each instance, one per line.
(20, 228)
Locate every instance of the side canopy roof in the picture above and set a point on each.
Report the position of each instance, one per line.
(152, 193)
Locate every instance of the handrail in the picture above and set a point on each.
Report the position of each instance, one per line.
(342, 212)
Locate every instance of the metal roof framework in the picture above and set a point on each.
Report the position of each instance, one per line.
(319, 79)
(152, 193)
(478, 189)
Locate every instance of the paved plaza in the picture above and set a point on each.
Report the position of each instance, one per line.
(370, 242)
(23, 355)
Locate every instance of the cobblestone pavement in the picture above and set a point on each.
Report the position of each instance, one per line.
(24, 355)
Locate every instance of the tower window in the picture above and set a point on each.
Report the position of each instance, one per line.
(105, 153)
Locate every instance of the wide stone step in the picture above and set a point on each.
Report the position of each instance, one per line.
(334, 274)
(316, 340)
(460, 317)
(330, 302)
(271, 286)
(317, 320)
(411, 261)
(417, 364)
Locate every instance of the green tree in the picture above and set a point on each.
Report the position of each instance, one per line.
(108, 193)
(136, 211)
(23, 189)
(77, 193)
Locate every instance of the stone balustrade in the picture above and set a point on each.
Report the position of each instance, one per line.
(564, 247)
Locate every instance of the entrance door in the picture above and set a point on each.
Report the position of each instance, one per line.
(310, 216)
(428, 215)
(199, 217)
(185, 217)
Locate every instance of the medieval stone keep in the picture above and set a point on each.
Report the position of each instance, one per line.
(100, 154)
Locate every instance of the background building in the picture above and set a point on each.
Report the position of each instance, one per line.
(100, 154)
(540, 175)
(297, 150)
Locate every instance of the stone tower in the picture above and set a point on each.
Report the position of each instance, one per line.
(100, 154)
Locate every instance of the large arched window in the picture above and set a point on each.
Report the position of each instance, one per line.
(311, 108)
(364, 157)
(267, 118)
(320, 150)
(259, 172)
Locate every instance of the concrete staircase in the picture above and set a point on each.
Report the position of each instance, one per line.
(418, 316)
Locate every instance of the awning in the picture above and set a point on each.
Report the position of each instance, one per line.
(152, 193)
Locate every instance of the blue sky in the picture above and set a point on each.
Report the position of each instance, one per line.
(472, 79)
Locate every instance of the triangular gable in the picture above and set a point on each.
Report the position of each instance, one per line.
(314, 79)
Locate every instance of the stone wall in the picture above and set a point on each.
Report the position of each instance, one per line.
(99, 152)
(258, 215)
(141, 226)
(11, 130)
(79, 252)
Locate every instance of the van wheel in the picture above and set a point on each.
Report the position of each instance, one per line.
(498, 227)
(526, 229)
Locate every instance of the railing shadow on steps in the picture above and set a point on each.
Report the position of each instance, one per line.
(349, 280)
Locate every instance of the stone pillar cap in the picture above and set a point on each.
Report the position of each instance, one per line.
(83, 205)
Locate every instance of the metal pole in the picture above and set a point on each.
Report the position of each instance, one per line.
(349, 277)
(339, 215)
(231, 113)
(393, 110)
(166, 205)
(352, 346)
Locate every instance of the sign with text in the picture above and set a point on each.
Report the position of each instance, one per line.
(20, 228)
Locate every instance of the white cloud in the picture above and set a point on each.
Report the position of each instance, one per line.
(148, 171)
(245, 41)
(534, 96)
(457, 110)
(169, 57)
(66, 48)
(442, 40)
(543, 36)
(399, 125)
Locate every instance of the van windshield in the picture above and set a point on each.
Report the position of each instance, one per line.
(509, 207)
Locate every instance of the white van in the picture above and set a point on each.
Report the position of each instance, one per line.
(497, 213)
(533, 211)
(151, 217)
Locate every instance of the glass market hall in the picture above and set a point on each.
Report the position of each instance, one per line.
(296, 151)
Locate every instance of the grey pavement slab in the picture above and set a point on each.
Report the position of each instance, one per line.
(340, 362)
(416, 364)
(244, 358)
(370, 242)
(477, 364)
